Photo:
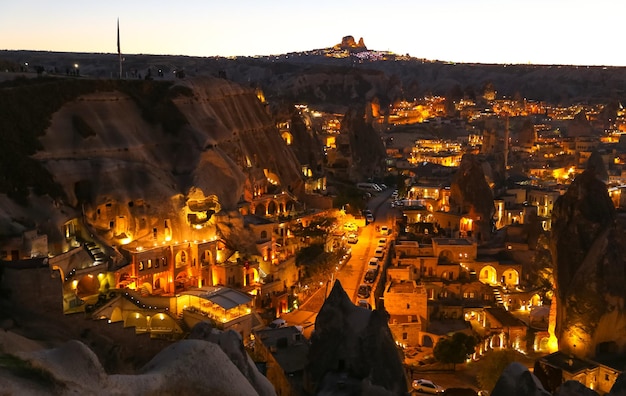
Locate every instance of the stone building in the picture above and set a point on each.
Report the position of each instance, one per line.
(406, 303)
(284, 350)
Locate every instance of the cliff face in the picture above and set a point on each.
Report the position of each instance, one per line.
(116, 152)
(590, 270)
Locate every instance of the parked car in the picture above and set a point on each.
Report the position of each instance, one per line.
(364, 291)
(353, 238)
(278, 323)
(382, 242)
(364, 304)
(384, 230)
(427, 386)
(370, 276)
(350, 227)
(373, 264)
(379, 253)
(369, 218)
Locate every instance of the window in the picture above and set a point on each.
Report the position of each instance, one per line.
(149, 263)
(263, 234)
(408, 306)
(141, 266)
(405, 336)
(156, 263)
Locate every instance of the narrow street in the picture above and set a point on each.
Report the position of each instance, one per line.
(350, 274)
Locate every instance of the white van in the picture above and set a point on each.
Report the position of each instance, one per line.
(379, 253)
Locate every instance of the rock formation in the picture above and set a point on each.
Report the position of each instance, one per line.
(470, 195)
(141, 151)
(231, 343)
(348, 43)
(366, 147)
(352, 345)
(517, 380)
(188, 367)
(589, 255)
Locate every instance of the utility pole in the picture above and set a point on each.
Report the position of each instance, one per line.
(119, 52)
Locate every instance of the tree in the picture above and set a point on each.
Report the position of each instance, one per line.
(455, 349)
(492, 365)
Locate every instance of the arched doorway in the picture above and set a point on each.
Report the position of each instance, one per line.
(259, 210)
(181, 259)
(206, 258)
(138, 321)
(544, 345)
(535, 300)
(488, 275)
(162, 323)
(88, 285)
(427, 341)
(446, 256)
(510, 277)
(272, 208)
(252, 276)
(290, 206)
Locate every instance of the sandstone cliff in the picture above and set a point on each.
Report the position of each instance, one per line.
(139, 150)
(588, 250)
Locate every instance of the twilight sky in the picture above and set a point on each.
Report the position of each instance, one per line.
(487, 31)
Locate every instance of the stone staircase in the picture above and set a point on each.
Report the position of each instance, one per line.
(498, 296)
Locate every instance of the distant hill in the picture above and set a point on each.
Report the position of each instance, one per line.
(316, 77)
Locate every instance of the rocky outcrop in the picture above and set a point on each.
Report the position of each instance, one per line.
(230, 342)
(366, 147)
(353, 347)
(589, 256)
(348, 43)
(188, 367)
(517, 380)
(141, 152)
(470, 195)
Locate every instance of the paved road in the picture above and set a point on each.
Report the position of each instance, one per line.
(350, 274)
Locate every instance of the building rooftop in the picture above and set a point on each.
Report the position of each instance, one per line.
(505, 317)
(568, 363)
(255, 220)
(403, 286)
(288, 346)
(452, 241)
(223, 296)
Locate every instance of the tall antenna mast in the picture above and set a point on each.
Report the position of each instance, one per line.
(119, 52)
